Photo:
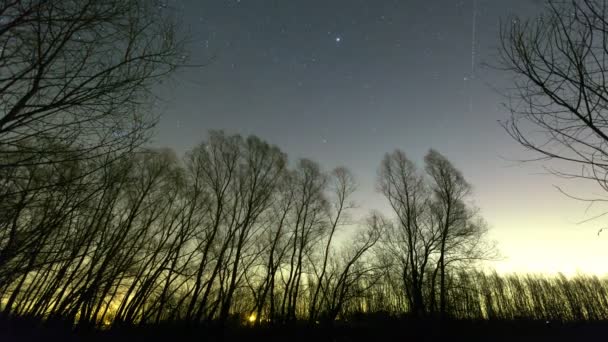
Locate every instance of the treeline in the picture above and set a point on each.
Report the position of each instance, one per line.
(229, 229)
(233, 232)
(480, 295)
(96, 230)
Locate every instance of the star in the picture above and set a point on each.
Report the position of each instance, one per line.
(338, 39)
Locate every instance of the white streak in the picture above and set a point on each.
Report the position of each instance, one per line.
(474, 39)
(473, 55)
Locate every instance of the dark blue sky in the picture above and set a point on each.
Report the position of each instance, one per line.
(344, 81)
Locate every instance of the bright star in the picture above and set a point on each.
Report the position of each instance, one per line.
(338, 39)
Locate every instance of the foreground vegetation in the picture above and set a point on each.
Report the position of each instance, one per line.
(231, 234)
(101, 237)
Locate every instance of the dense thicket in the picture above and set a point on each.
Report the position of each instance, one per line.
(96, 231)
(232, 231)
(150, 238)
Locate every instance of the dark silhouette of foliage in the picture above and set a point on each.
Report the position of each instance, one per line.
(232, 234)
(558, 104)
(103, 236)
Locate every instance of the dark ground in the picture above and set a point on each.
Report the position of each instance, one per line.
(364, 330)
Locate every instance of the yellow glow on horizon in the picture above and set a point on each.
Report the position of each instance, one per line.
(536, 228)
(562, 248)
(252, 318)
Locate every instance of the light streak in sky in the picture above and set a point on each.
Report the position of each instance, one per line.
(473, 55)
(473, 39)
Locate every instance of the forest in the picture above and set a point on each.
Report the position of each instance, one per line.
(232, 233)
(99, 232)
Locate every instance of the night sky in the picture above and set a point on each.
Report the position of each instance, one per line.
(344, 81)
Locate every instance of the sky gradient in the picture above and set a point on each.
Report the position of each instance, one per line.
(344, 81)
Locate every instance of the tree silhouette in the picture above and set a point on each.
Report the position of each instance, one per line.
(232, 234)
(79, 72)
(558, 106)
(76, 76)
(435, 227)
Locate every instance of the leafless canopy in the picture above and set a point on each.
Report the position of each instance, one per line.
(74, 75)
(560, 97)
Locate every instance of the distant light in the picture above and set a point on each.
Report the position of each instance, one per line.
(252, 318)
(338, 39)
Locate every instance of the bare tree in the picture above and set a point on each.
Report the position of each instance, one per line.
(412, 241)
(75, 77)
(352, 274)
(276, 240)
(436, 228)
(460, 232)
(79, 72)
(343, 186)
(258, 179)
(213, 167)
(231, 231)
(558, 105)
(309, 218)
